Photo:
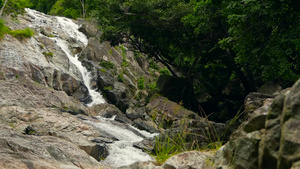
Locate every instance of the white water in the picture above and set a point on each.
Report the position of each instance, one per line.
(64, 27)
(122, 152)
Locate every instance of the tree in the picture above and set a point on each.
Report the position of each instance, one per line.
(74, 8)
(42, 5)
(211, 42)
(14, 7)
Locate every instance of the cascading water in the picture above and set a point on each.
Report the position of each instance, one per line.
(68, 28)
(121, 152)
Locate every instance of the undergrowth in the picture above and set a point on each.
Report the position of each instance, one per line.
(20, 34)
(174, 143)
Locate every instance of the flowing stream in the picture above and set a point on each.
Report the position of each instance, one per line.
(121, 152)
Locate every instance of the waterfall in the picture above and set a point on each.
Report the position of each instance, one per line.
(66, 27)
(121, 152)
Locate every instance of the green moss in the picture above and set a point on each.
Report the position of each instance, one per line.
(48, 54)
(102, 70)
(108, 88)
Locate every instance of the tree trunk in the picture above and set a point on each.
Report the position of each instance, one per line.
(2, 8)
(83, 8)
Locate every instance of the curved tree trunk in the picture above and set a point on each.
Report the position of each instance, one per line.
(2, 8)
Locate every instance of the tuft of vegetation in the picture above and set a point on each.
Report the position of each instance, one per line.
(22, 34)
(107, 64)
(153, 64)
(164, 71)
(48, 54)
(141, 83)
(108, 88)
(3, 29)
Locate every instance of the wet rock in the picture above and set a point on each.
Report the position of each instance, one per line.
(149, 126)
(98, 151)
(109, 111)
(102, 140)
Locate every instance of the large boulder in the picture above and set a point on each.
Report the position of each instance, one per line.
(270, 136)
(288, 155)
(23, 151)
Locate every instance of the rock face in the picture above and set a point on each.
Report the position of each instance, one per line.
(38, 129)
(40, 58)
(269, 138)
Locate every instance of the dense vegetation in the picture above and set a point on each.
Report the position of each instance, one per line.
(216, 45)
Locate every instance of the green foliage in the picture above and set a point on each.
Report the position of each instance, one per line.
(15, 7)
(107, 64)
(3, 28)
(42, 5)
(141, 83)
(211, 43)
(125, 63)
(153, 64)
(164, 71)
(21, 34)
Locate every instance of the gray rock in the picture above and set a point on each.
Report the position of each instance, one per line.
(290, 133)
(188, 160)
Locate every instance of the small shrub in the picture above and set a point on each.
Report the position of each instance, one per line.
(141, 83)
(125, 63)
(21, 34)
(152, 87)
(107, 64)
(153, 64)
